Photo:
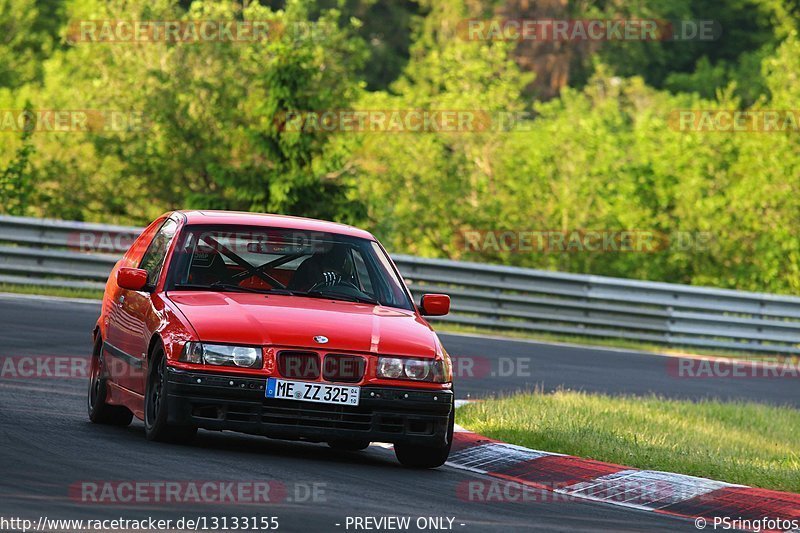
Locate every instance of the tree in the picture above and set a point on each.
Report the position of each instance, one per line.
(423, 187)
(16, 182)
(211, 135)
(27, 33)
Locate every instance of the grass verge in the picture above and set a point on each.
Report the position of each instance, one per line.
(51, 291)
(745, 443)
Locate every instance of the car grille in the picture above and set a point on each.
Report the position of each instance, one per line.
(343, 368)
(340, 368)
(298, 365)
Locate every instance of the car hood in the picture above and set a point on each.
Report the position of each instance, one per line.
(294, 321)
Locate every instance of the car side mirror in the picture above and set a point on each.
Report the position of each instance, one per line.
(434, 304)
(133, 279)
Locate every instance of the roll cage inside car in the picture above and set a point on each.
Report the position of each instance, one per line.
(163, 252)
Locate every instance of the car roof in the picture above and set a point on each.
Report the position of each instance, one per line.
(241, 218)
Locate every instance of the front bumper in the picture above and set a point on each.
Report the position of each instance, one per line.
(384, 414)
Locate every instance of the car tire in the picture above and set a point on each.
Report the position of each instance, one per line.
(349, 445)
(101, 412)
(416, 456)
(156, 427)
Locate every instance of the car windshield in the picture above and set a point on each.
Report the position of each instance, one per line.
(285, 261)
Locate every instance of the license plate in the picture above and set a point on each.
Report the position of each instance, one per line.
(312, 392)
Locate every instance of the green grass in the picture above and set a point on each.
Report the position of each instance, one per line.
(745, 443)
(51, 291)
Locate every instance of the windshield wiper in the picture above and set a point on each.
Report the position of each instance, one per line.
(333, 295)
(220, 286)
(284, 292)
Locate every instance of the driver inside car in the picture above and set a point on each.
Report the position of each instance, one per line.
(324, 269)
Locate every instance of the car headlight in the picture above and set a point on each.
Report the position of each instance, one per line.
(390, 367)
(221, 355)
(431, 370)
(417, 369)
(443, 370)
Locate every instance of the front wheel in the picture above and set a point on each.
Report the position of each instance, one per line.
(417, 456)
(101, 412)
(155, 405)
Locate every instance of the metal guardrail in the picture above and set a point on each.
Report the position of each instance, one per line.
(48, 252)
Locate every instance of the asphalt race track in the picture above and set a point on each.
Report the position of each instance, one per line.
(550, 367)
(48, 445)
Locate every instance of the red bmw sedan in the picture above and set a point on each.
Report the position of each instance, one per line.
(279, 326)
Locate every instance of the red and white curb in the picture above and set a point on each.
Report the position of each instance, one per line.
(661, 492)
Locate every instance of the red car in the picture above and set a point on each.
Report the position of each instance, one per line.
(272, 325)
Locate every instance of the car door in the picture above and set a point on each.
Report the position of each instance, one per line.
(128, 333)
(117, 361)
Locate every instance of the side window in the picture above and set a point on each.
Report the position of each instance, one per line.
(153, 258)
(134, 254)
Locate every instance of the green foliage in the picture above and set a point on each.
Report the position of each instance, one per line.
(424, 187)
(16, 56)
(204, 128)
(605, 157)
(749, 30)
(385, 27)
(16, 182)
(209, 135)
(27, 32)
